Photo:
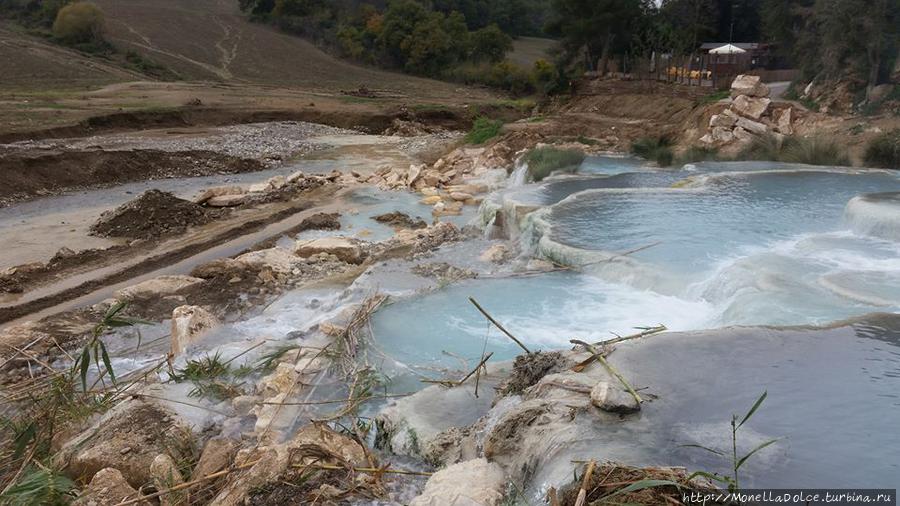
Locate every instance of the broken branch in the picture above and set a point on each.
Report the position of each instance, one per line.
(497, 324)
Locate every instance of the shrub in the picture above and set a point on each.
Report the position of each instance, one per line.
(884, 150)
(697, 154)
(78, 23)
(489, 44)
(764, 147)
(483, 130)
(544, 161)
(546, 77)
(814, 151)
(809, 150)
(654, 148)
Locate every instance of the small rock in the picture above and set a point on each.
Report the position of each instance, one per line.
(460, 196)
(281, 381)
(217, 455)
(166, 475)
(346, 249)
(107, 488)
(296, 176)
(189, 323)
(613, 400)
(432, 200)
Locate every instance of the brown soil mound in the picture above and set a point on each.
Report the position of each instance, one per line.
(27, 175)
(399, 219)
(529, 368)
(153, 214)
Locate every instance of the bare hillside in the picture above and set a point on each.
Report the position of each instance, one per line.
(211, 40)
(29, 61)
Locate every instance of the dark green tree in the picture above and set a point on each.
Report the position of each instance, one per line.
(594, 28)
(489, 44)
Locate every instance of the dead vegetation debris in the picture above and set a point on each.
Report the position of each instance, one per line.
(611, 478)
(529, 368)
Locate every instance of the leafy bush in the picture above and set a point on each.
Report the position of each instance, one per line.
(544, 161)
(657, 149)
(79, 23)
(884, 150)
(489, 44)
(809, 150)
(483, 130)
(505, 75)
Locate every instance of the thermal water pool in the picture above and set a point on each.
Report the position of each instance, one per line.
(733, 244)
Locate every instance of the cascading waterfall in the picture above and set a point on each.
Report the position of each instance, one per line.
(876, 214)
(519, 175)
(758, 243)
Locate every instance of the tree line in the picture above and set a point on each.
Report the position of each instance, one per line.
(856, 40)
(462, 40)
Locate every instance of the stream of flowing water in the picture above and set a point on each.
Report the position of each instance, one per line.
(709, 246)
(701, 249)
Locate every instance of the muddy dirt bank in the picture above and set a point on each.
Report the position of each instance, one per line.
(373, 121)
(36, 173)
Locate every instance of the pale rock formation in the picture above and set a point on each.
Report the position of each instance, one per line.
(475, 482)
(189, 324)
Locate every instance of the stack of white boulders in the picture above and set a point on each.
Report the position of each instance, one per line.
(749, 114)
(451, 182)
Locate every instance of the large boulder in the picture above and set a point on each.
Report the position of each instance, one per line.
(129, 437)
(189, 323)
(475, 482)
(784, 121)
(750, 107)
(751, 86)
(346, 249)
(751, 126)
